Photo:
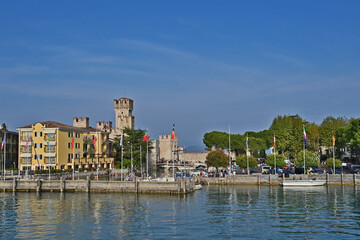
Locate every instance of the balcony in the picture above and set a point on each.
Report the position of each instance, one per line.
(50, 160)
(50, 149)
(26, 150)
(26, 161)
(23, 142)
(25, 155)
(51, 137)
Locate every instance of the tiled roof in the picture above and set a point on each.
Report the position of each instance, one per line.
(52, 124)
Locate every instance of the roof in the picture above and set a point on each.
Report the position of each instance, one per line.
(52, 124)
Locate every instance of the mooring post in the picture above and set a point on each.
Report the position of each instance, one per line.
(270, 179)
(354, 179)
(14, 184)
(342, 178)
(38, 185)
(136, 185)
(62, 183)
(327, 178)
(87, 184)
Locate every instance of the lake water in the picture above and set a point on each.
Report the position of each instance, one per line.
(215, 212)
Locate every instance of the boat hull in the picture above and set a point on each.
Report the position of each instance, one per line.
(303, 183)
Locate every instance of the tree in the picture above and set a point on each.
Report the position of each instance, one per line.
(131, 137)
(330, 126)
(257, 145)
(330, 163)
(350, 135)
(289, 134)
(217, 158)
(241, 161)
(311, 160)
(279, 160)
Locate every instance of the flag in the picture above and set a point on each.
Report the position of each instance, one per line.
(72, 143)
(333, 136)
(305, 138)
(146, 137)
(48, 141)
(3, 142)
(121, 138)
(173, 132)
(36, 156)
(94, 141)
(247, 141)
(274, 141)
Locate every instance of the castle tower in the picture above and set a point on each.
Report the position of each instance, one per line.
(123, 114)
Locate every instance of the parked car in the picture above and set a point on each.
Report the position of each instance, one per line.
(265, 169)
(330, 171)
(317, 171)
(253, 171)
(287, 173)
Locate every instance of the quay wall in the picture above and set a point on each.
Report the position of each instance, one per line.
(336, 179)
(178, 187)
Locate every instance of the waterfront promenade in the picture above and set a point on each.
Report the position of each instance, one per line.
(180, 186)
(267, 179)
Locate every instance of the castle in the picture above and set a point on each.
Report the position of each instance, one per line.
(123, 116)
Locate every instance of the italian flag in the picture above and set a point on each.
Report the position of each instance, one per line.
(146, 137)
(173, 132)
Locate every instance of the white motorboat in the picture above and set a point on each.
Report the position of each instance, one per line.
(198, 187)
(303, 183)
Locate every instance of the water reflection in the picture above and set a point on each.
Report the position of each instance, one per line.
(214, 212)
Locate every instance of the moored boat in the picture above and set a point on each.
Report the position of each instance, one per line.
(303, 183)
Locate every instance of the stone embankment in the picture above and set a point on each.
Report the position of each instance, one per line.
(181, 186)
(337, 179)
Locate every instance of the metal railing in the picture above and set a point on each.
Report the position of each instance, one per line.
(50, 149)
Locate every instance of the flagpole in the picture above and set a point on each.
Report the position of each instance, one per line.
(229, 150)
(49, 156)
(141, 168)
(122, 162)
(147, 159)
(131, 158)
(274, 155)
(73, 163)
(304, 150)
(247, 155)
(97, 169)
(4, 152)
(334, 153)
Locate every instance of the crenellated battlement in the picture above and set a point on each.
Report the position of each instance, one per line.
(104, 126)
(124, 103)
(82, 122)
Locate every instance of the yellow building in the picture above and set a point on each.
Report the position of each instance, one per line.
(49, 144)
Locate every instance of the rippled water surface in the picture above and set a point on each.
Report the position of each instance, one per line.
(221, 212)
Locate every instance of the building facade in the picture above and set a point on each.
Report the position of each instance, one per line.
(59, 146)
(11, 147)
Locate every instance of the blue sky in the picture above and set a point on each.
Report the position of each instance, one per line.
(199, 64)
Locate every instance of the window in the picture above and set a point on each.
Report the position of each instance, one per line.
(40, 156)
(77, 135)
(38, 134)
(70, 157)
(77, 145)
(70, 134)
(38, 145)
(69, 145)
